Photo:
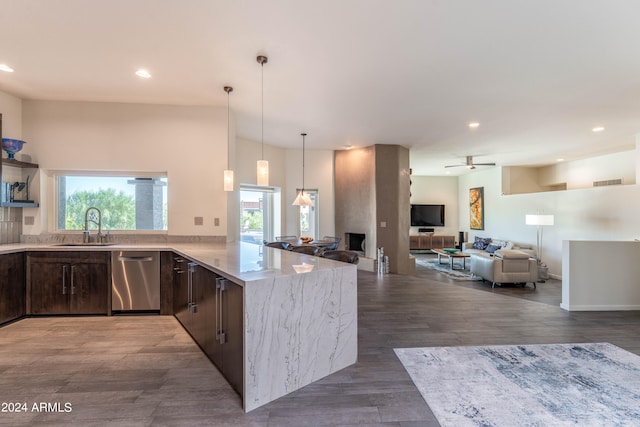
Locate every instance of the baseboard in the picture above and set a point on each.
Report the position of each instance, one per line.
(574, 307)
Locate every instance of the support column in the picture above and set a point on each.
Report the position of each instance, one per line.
(149, 201)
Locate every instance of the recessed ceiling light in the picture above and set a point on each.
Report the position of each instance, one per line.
(560, 160)
(143, 73)
(474, 125)
(6, 68)
(348, 147)
(598, 129)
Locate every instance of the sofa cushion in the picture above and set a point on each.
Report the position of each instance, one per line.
(512, 254)
(481, 242)
(492, 248)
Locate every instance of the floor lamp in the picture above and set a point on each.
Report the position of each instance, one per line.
(539, 220)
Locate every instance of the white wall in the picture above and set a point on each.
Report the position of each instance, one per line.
(318, 175)
(11, 110)
(438, 190)
(587, 284)
(188, 143)
(582, 173)
(604, 213)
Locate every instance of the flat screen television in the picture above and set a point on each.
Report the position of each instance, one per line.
(427, 215)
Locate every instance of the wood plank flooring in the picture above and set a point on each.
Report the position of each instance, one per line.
(146, 370)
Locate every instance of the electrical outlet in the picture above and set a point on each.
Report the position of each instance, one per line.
(216, 222)
(383, 224)
(198, 220)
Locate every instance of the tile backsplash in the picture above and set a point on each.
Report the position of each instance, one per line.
(10, 225)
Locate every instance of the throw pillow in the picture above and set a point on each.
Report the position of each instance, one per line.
(507, 245)
(492, 248)
(481, 242)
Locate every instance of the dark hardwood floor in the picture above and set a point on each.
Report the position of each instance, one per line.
(141, 371)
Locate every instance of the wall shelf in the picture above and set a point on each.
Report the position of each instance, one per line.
(19, 204)
(19, 164)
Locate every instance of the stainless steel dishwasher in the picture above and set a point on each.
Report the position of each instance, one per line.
(135, 281)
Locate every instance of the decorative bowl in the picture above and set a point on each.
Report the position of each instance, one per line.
(450, 250)
(12, 146)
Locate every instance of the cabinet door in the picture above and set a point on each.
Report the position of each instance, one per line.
(205, 299)
(180, 289)
(49, 287)
(448, 241)
(88, 288)
(233, 328)
(12, 287)
(414, 242)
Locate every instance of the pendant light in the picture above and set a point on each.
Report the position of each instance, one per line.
(228, 173)
(262, 170)
(303, 198)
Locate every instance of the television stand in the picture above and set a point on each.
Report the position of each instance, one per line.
(431, 241)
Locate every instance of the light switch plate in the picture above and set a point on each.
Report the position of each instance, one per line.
(29, 220)
(198, 220)
(383, 224)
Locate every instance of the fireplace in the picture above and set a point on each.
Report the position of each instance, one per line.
(355, 242)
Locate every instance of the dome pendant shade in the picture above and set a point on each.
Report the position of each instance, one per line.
(302, 199)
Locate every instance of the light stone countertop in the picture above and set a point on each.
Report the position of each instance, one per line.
(238, 261)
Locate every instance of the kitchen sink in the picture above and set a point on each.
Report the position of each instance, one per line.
(84, 244)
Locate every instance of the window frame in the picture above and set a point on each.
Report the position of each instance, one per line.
(55, 196)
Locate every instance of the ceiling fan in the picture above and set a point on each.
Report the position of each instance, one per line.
(470, 165)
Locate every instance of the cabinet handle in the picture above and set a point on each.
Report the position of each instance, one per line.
(221, 284)
(64, 279)
(73, 285)
(190, 303)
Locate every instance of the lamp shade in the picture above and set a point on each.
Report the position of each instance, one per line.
(228, 180)
(263, 172)
(302, 199)
(538, 219)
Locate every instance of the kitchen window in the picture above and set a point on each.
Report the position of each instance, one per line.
(126, 202)
(308, 216)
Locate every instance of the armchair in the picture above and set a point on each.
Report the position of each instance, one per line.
(505, 266)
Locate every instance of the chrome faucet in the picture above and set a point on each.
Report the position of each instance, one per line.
(86, 236)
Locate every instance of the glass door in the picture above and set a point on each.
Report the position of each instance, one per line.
(308, 217)
(256, 214)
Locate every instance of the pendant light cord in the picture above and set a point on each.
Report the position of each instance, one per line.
(303, 135)
(262, 114)
(228, 89)
(228, 129)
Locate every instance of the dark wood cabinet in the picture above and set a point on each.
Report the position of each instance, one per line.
(210, 308)
(12, 287)
(180, 289)
(68, 282)
(431, 241)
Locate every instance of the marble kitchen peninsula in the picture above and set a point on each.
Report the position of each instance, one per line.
(300, 315)
(299, 311)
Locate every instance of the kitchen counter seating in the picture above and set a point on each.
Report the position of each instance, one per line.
(280, 291)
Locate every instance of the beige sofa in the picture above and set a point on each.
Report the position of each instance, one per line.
(504, 265)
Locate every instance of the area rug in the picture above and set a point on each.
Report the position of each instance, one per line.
(432, 264)
(528, 385)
